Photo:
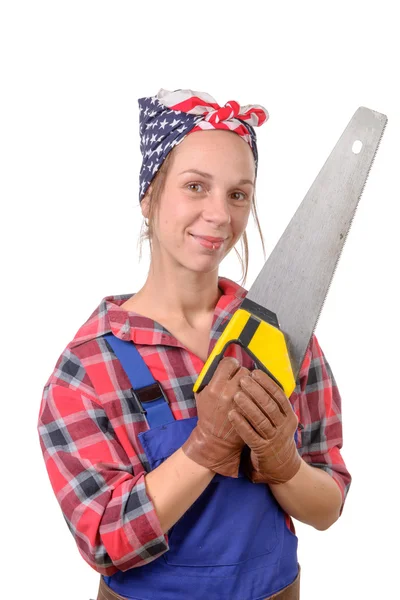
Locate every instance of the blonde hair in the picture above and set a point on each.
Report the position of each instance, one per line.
(157, 188)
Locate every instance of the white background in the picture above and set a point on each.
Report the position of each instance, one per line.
(71, 73)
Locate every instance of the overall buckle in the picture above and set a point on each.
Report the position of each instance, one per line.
(148, 393)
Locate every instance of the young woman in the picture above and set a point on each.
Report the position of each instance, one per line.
(171, 495)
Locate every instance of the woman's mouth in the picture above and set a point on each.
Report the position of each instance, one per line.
(207, 241)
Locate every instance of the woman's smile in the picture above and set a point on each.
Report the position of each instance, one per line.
(207, 241)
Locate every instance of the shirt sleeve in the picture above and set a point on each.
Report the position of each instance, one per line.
(317, 404)
(104, 502)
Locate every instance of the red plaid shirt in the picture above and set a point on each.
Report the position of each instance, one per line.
(89, 428)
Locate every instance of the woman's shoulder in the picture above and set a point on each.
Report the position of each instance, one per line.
(107, 316)
(88, 347)
(231, 288)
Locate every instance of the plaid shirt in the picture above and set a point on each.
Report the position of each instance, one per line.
(89, 427)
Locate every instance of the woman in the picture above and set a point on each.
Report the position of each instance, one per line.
(169, 495)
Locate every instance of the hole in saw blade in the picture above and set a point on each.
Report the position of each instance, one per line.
(357, 147)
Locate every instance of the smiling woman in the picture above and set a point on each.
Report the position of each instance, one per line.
(209, 205)
(241, 193)
(171, 494)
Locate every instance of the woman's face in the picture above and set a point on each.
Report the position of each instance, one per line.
(206, 201)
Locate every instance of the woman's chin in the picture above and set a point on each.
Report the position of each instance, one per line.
(203, 264)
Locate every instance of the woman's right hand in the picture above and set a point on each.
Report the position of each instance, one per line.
(214, 442)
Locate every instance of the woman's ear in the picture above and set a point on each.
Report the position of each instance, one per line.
(145, 203)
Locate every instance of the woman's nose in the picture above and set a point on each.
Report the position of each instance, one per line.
(216, 209)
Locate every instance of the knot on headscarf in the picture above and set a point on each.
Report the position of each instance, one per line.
(230, 110)
(167, 118)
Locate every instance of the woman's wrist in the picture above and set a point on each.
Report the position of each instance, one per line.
(311, 496)
(175, 485)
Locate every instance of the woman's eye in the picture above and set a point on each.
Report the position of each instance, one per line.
(240, 196)
(195, 187)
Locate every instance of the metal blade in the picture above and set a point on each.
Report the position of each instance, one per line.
(296, 277)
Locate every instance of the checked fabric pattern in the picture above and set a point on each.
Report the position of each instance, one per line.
(89, 426)
(167, 118)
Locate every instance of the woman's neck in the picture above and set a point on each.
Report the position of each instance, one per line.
(175, 294)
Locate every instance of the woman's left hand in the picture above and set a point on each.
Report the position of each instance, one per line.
(264, 418)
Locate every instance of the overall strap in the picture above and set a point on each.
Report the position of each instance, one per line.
(145, 389)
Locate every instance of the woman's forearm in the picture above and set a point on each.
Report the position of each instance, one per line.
(175, 485)
(311, 496)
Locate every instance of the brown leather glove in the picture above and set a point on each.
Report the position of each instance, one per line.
(264, 418)
(214, 442)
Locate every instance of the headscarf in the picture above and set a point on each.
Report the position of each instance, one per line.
(167, 118)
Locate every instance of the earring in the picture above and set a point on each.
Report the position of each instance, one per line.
(146, 223)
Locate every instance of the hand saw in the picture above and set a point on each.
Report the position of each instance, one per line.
(278, 316)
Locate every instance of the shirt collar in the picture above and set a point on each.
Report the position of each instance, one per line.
(110, 317)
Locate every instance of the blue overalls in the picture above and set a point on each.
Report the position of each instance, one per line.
(231, 544)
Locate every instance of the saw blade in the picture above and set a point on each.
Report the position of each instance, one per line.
(296, 277)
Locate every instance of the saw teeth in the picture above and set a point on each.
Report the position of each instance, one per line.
(352, 218)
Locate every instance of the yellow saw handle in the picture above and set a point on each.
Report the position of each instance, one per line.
(265, 344)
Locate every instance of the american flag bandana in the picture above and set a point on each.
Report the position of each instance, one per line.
(167, 118)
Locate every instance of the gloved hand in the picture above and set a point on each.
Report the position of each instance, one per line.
(214, 442)
(264, 418)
